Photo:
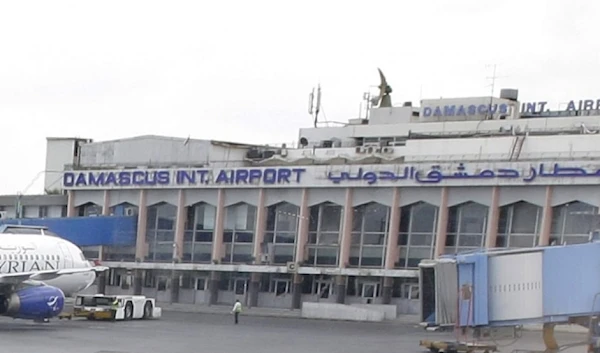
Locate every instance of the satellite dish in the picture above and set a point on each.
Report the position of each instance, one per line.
(303, 142)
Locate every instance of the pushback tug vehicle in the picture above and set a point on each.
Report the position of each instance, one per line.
(115, 307)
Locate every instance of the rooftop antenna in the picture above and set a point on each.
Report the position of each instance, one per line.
(385, 99)
(312, 105)
(492, 85)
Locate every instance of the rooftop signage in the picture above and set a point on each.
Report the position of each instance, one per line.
(449, 110)
(332, 176)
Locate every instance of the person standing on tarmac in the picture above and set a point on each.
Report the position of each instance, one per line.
(237, 309)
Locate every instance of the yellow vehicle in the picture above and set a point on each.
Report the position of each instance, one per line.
(115, 307)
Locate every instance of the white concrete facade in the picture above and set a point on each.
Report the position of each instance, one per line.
(351, 211)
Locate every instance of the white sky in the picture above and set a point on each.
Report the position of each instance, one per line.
(242, 70)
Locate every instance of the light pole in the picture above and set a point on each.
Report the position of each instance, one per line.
(18, 201)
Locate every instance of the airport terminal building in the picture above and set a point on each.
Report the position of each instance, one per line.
(348, 213)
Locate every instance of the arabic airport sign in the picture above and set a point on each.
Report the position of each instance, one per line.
(481, 174)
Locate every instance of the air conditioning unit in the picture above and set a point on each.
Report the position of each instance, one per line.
(264, 258)
(3, 215)
(129, 211)
(387, 150)
(292, 267)
(359, 149)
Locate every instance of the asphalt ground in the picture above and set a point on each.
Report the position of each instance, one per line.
(179, 332)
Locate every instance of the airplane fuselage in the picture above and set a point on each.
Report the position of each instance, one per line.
(20, 253)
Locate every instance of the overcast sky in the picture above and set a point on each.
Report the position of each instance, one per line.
(242, 70)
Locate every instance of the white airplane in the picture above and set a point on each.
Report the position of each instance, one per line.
(37, 270)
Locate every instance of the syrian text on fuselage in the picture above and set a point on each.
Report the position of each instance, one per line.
(16, 266)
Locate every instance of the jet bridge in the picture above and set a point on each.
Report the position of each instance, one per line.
(550, 285)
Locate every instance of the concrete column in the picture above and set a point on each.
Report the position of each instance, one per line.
(106, 203)
(213, 287)
(388, 284)
(442, 223)
(141, 248)
(175, 287)
(138, 279)
(180, 226)
(254, 286)
(340, 289)
(102, 282)
(546, 218)
(303, 224)
(70, 203)
(346, 236)
(391, 251)
(218, 250)
(493, 217)
(297, 291)
(261, 224)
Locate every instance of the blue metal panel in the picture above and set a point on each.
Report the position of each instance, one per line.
(473, 274)
(88, 231)
(570, 279)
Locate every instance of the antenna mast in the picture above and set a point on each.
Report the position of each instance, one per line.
(312, 105)
(493, 86)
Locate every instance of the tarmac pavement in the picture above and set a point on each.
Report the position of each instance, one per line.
(178, 332)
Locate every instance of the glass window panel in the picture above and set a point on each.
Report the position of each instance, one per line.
(503, 219)
(241, 216)
(450, 239)
(558, 218)
(525, 217)
(402, 239)
(580, 218)
(205, 216)
(421, 239)
(204, 236)
(167, 215)
(287, 217)
(416, 254)
(314, 218)
(355, 238)
(375, 218)
(327, 256)
(285, 238)
(357, 218)
(331, 218)
(475, 240)
(405, 213)
(271, 215)
(151, 215)
(521, 241)
(570, 239)
(452, 220)
(473, 218)
(269, 237)
(374, 239)
(244, 237)
(354, 255)
(284, 249)
(372, 256)
(501, 241)
(424, 218)
(328, 238)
